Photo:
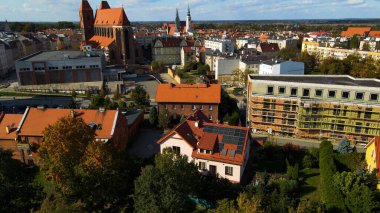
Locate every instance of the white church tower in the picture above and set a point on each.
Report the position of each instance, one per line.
(188, 20)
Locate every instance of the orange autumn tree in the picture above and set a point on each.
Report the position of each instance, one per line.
(79, 168)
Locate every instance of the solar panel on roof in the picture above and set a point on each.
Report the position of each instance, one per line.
(220, 146)
(224, 152)
(232, 153)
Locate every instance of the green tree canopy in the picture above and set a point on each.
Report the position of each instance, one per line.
(140, 95)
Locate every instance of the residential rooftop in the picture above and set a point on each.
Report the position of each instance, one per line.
(344, 80)
(54, 56)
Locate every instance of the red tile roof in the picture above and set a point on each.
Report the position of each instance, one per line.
(36, 120)
(266, 47)
(189, 93)
(100, 41)
(375, 34)
(351, 31)
(12, 121)
(111, 17)
(192, 134)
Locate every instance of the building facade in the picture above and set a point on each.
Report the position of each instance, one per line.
(317, 107)
(218, 150)
(184, 99)
(281, 67)
(168, 50)
(224, 46)
(109, 30)
(57, 67)
(372, 157)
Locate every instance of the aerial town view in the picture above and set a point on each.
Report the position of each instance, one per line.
(165, 106)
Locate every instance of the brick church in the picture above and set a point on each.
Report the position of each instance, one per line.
(109, 30)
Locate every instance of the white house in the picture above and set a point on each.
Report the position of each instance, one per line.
(281, 67)
(218, 150)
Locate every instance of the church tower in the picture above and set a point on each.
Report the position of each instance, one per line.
(86, 15)
(177, 22)
(188, 19)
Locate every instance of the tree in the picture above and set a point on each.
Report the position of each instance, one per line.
(156, 66)
(331, 195)
(232, 119)
(354, 42)
(361, 199)
(344, 146)
(203, 69)
(153, 116)
(117, 94)
(166, 186)
(80, 169)
(140, 95)
(164, 119)
(18, 193)
(289, 53)
(366, 46)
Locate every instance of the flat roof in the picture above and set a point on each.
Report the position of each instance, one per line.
(344, 80)
(54, 56)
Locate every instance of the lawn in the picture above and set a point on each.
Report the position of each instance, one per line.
(310, 190)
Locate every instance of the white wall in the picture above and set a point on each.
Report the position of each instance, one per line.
(225, 66)
(220, 169)
(176, 140)
(284, 68)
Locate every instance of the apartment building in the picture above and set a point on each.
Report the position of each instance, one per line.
(318, 107)
(284, 43)
(281, 67)
(225, 46)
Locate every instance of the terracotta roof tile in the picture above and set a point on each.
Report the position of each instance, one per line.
(111, 17)
(37, 120)
(272, 47)
(375, 34)
(100, 41)
(351, 31)
(12, 121)
(208, 141)
(189, 93)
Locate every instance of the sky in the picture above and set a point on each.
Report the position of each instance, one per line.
(164, 10)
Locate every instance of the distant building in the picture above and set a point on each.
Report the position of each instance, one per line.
(224, 46)
(57, 67)
(185, 99)
(179, 27)
(23, 134)
(372, 157)
(284, 43)
(4, 68)
(4, 27)
(314, 106)
(281, 67)
(359, 31)
(109, 30)
(168, 50)
(268, 49)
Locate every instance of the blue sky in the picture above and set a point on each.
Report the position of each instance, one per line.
(164, 10)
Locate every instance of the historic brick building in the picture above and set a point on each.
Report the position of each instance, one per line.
(109, 30)
(185, 99)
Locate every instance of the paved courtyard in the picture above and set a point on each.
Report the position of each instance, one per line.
(145, 146)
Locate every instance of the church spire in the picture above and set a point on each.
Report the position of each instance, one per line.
(177, 21)
(188, 9)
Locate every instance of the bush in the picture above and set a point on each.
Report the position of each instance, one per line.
(307, 161)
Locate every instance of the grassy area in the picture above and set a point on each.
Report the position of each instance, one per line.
(310, 190)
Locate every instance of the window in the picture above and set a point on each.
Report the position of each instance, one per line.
(270, 90)
(358, 127)
(166, 106)
(340, 126)
(210, 117)
(201, 107)
(306, 93)
(202, 166)
(318, 93)
(359, 96)
(182, 107)
(174, 106)
(345, 94)
(281, 90)
(176, 149)
(374, 97)
(359, 114)
(332, 93)
(210, 107)
(294, 92)
(367, 115)
(193, 107)
(229, 170)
